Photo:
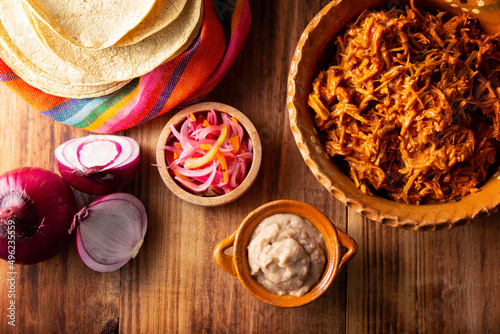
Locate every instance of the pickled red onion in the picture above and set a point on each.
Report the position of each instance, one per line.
(198, 188)
(214, 155)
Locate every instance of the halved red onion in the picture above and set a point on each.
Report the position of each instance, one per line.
(36, 210)
(110, 231)
(98, 164)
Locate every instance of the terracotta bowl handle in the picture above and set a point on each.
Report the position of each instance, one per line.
(225, 261)
(352, 248)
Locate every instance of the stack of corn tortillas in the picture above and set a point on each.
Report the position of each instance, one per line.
(81, 49)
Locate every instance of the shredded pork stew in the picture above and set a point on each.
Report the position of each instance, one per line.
(412, 104)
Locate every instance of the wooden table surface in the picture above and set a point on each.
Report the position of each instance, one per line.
(399, 282)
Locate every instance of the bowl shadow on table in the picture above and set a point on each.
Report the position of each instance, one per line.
(314, 50)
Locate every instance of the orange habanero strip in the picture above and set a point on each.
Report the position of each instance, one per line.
(192, 163)
(235, 142)
(221, 158)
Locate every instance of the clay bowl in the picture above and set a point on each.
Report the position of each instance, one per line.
(309, 59)
(237, 263)
(213, 200)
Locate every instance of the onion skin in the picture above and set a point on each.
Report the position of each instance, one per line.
(98, 180)
(48, 210)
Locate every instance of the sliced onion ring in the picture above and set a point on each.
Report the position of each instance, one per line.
(98, 164)
(110, 231)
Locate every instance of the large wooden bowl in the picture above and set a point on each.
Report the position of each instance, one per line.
(309, 59)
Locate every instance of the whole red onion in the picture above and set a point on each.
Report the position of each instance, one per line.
(36, 210)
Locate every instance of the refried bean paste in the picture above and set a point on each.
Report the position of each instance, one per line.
(286, 254)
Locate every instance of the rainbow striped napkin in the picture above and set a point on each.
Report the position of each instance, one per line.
(185, 80)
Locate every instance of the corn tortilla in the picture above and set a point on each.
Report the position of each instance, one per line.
(93, 24)
(127, 62)
(161, 15)
(35, 77)
(23, 38)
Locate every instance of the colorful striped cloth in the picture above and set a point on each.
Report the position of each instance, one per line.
(185, 80)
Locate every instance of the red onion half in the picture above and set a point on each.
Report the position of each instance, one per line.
(110, 231)
(36, 210)
(98, 164)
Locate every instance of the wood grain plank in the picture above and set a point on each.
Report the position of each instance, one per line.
(196, 295)
(61, 295)
(424, 282)
(399, 282)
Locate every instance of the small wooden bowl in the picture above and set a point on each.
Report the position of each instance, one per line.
(310, 56)
(214, 200)
(237, 263)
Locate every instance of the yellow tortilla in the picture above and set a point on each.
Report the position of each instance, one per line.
(23, 38)
(127, 62)
(35, 77)
(93, 24)
(161, 15)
